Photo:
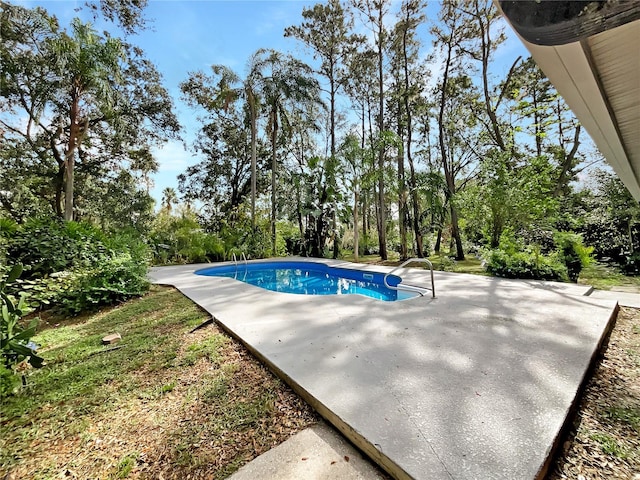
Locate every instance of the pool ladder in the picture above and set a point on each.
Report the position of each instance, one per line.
(409, 287)
(235, 261)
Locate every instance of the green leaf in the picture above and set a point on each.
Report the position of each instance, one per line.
(14, 273)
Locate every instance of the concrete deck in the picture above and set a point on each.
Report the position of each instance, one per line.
(317, 453)
(476, 383)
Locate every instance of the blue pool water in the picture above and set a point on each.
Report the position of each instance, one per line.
(309, 278)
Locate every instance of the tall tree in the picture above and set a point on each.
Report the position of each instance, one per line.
(405, 48)
(283, 83)
(169, 197)
(87, 65)
(217, 94)
(87, 100)
(325, 30)
(375, 14)
(361, 73)
(449, 36)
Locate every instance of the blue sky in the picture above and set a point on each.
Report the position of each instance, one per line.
(185, 36)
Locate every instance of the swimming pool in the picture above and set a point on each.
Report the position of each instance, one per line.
(312, 278)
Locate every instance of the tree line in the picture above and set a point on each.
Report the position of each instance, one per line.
(404, 133)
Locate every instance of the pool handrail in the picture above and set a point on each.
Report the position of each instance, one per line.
(410, 287)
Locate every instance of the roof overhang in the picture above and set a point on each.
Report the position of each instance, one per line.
(590, 51)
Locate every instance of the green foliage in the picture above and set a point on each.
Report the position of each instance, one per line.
(180, 239)
(72, 95)
(610, 445)
(74, 266)
(573, 253)
(118, 277)
(9, 381)
(509, 196)
(15, 345)
(45, 246)
(530, 264)
(513, 260)
(610, 221)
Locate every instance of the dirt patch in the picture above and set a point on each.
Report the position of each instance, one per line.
(604, 442)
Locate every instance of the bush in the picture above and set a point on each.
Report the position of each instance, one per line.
(118, 278)
(45, 246)
(75, 267)
(15, 345)
(631, 264)
(9, 381)
(528, 264)
(180, 239)
(573, 253)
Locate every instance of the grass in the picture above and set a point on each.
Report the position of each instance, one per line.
(470, 264)
(609, 445)
(163, 398)
(604, 277)
(597, 275)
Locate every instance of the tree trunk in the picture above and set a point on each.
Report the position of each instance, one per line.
(412, 170)
(366, 225)
(356, 245)
(274, 136)
(448, 171)
(74, 139)
(382, 232)
(332, 120)
(253, 114)
(402, 203)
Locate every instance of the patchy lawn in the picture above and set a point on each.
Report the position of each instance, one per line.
(161, 403)
(605, 440)
(167, 403)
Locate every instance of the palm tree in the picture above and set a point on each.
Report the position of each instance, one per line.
(230, 87)
(89, 69)
(169, 197)
(284, 84)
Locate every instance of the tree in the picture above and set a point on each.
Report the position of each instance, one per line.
(326, 31)
(361, 73)
(405, 48)
(169, 197)
(283, 83)
(451, 37)
(355, 167)
(222, 180)
(375, 13)
(217, 94)
(87, 65)
(87, 100)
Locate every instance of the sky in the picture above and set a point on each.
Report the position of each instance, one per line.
(187, 36)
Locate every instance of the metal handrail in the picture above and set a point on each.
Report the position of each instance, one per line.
(246, 266)
(410, 287)
(235, 261)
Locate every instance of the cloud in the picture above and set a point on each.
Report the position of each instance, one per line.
(172, 157)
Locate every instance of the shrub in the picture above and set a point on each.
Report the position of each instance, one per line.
(15, 346)
(631, 264)
(528, 264)
(573, 253)
(76, 267)
(45, 246)
(118, 278)
(9, 381)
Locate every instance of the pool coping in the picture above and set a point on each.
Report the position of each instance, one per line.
(258, 320)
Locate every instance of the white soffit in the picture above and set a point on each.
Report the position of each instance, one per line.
(600, 81)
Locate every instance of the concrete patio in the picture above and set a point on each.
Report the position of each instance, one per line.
(476, 383)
